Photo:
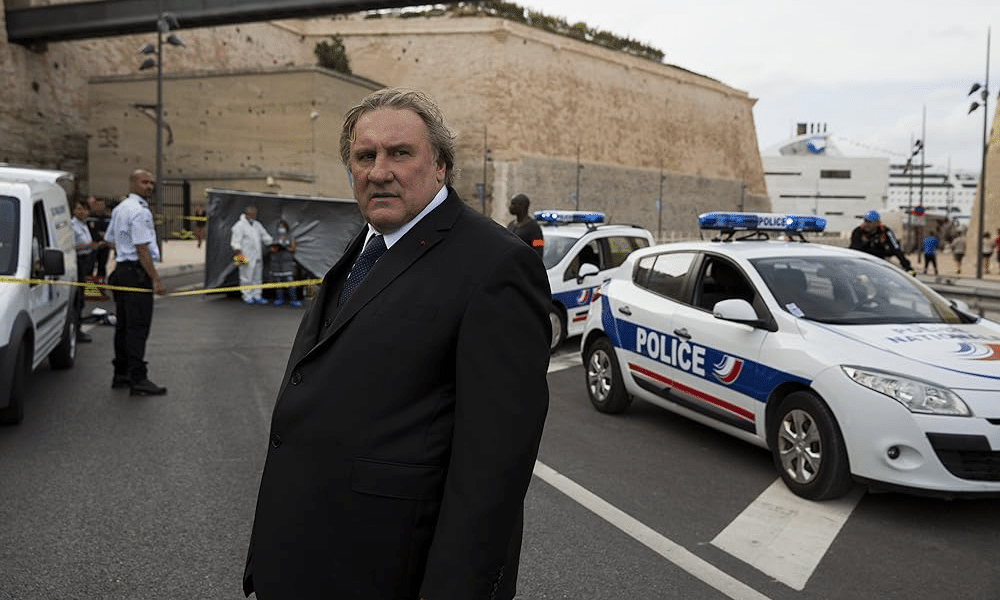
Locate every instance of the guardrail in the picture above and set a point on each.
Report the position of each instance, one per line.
(981, 300)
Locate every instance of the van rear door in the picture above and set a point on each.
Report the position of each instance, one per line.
(47, 303)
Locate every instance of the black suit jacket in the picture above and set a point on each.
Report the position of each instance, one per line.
(407, 423)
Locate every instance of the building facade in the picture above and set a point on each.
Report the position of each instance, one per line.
(568, 123)
(809, 175)
(271, 130)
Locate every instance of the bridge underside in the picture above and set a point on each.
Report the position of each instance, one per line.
(107, 18)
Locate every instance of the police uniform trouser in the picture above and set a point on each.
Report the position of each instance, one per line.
(84, 265)
(134, 313)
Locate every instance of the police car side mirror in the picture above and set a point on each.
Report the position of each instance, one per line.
(962, 308)
(586, 270)
(53, 262)
(737, 310)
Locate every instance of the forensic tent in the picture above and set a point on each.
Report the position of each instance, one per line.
(321, 227)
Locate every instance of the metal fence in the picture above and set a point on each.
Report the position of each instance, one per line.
(174, 215)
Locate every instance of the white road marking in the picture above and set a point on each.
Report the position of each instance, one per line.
(786, 536)
(559, 362)
(669, 550)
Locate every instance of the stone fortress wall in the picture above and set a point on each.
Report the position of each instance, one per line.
(540, 100)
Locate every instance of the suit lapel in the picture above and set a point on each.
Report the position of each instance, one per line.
(411, 247)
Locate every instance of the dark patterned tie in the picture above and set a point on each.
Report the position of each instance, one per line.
(373, 250)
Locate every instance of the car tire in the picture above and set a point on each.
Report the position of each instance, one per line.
(64, 355)
(604, 378)
(557, 319)
(808, 448)
(14, 412)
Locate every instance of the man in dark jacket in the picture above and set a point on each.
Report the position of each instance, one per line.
(408, 421)
(873, 237)
(524, 226)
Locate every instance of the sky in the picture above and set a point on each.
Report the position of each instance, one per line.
(868, 69)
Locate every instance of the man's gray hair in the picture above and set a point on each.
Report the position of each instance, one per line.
(441, 139)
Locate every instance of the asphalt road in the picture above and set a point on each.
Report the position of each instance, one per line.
(107, 496)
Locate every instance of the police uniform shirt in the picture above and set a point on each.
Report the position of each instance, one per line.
(81, 235)
(131, 224)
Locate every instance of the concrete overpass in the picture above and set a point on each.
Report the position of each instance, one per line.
(35, 25)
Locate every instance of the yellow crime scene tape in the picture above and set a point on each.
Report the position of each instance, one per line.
(119, 288)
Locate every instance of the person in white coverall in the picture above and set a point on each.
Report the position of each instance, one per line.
(248, 239)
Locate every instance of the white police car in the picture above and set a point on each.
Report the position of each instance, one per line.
(580, 252)
(840, 363)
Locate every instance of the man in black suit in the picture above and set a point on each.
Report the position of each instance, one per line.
(408, 420)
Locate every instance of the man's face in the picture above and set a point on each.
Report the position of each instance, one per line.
(142, 184)
(870, 226)
(80, 212)
(251, 214)
(394, 171)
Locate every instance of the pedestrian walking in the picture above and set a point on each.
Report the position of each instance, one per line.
(958, 251)
(133, 236)
(930, 251)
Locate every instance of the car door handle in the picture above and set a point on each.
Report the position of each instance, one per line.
(682, 333)
(625, 310)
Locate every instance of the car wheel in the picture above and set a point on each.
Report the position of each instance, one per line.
(604, 378)
(557, 319)
(64, 355)
(14, 412)
(808, 448)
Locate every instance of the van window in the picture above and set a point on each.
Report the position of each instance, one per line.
(9, 218)
(39, 240)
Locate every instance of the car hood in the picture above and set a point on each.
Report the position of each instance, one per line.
(959, 355)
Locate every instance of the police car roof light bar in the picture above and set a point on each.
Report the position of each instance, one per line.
(725, 221)
(558, 217)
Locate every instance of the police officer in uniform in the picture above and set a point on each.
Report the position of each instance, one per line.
(524, 226)
(133, 236)
(873, 237)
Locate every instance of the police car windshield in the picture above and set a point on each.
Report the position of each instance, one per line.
(8, 234)
(850, 291)
(556, 248)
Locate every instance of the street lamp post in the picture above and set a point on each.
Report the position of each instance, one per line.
(984, 96)
(164, 23)
(579, 167)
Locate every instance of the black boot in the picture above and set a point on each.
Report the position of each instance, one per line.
(145, 387)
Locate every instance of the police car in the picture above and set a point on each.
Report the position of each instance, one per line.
(580, 251)
(843, 366)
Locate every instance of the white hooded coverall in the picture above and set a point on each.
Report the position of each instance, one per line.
(248, 238)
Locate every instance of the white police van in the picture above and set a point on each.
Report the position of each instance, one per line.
(844, 366)
(37, 320)
(580, 251)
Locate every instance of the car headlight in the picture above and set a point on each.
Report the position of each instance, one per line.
(918, 396)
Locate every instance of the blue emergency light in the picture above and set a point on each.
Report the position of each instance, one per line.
(738, 221)
(555, 217)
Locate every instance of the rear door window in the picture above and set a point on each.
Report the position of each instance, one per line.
(620, 246)
(9, 219)
(666, 274)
